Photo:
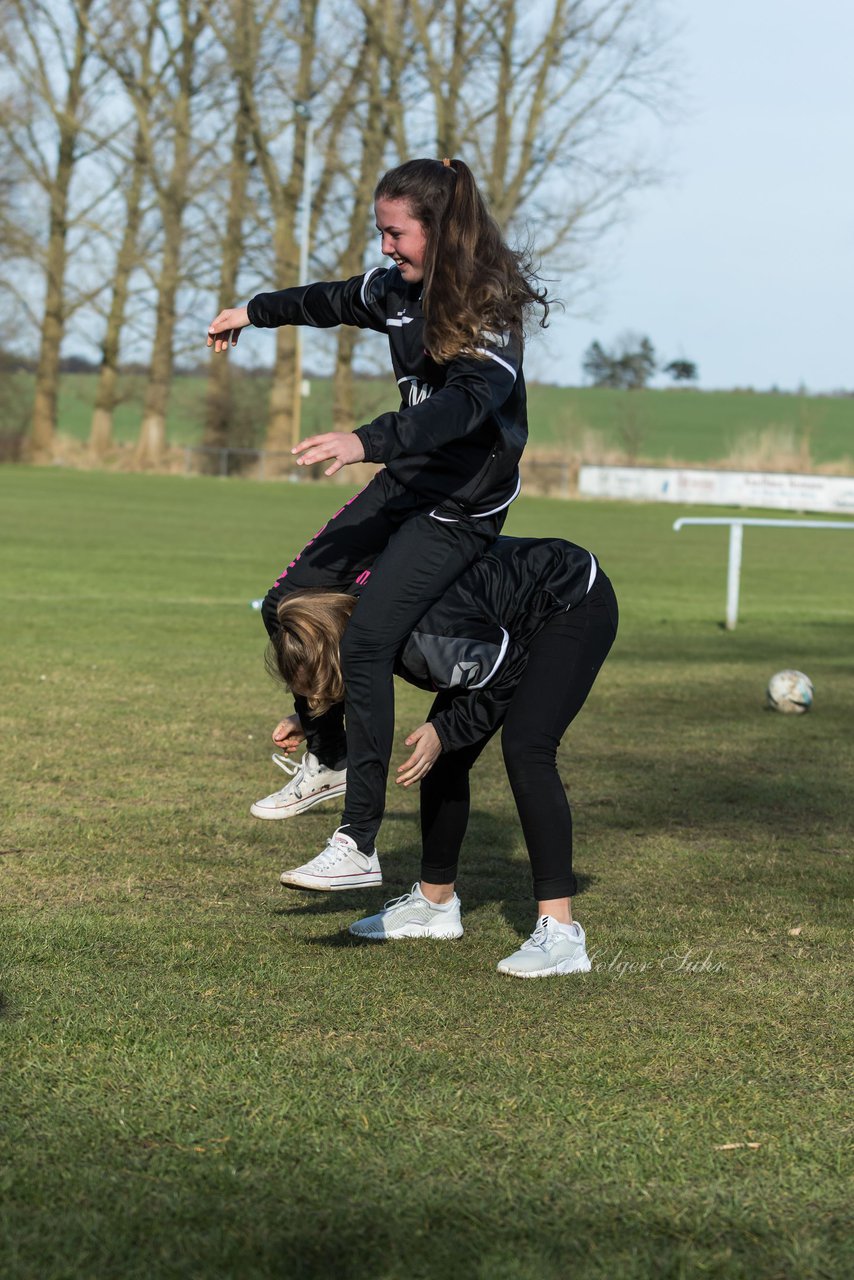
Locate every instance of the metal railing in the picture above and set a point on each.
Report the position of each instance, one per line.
(736, 539)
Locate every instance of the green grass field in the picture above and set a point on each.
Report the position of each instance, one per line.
(204, 1076)
(689, 426)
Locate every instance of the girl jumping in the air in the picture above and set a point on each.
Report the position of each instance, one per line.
(453, 306)
(518, 641)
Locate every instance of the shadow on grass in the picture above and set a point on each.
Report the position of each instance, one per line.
(493, 870)
(307, 1220)
(466, 1239)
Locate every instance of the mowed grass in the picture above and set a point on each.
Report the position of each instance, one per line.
(686, 425)
(204, 1076)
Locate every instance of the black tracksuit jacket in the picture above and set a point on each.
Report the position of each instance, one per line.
(474, 640)
(461, 426)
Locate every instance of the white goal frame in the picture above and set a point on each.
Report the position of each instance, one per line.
(736, 538)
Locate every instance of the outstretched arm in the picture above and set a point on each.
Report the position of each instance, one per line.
(357, 301)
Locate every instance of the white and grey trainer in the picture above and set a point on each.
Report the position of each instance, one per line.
(310, 783)
(412, 916)
(339, 866)
(552, 949)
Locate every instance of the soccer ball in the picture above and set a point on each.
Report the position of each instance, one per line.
(790, 692)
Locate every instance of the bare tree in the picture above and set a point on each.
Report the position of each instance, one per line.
(135, 167)
(237, 28)
(450, 37)
(170, 168)
(127, 259)
(272, 53)
(283, 192)
(48, 53)
(538, 98)
(356, 142)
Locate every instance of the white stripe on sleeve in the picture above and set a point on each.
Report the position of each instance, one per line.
(498, 661)
(482, 351)
(363, 292)
(593, 570)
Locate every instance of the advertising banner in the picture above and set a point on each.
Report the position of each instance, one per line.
(769, 489)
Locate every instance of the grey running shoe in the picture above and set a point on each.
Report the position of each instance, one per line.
(310, 783)
(552, 949)
(412, 916)
(339, 866)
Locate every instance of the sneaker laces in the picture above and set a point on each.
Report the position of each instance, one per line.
(288, 766)
(298, 773)
(404, 897)
(338, 847)
(539, 937)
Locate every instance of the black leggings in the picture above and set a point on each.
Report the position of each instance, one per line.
(404, 553)
(564, 659)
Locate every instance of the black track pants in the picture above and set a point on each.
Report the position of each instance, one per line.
(564, 659)
(405, 554)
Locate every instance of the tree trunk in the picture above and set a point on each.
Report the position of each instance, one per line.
(219, 405)
(101, 428)
(343, 413)
(173, 198)
(284, 197)
(106, 395)
(373, 143)
(43, 426)
(280, 418)
(152, 433)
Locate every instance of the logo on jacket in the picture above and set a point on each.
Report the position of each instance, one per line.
(464, 674)
(417, 391)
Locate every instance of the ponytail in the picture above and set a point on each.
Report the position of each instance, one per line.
(474, 283)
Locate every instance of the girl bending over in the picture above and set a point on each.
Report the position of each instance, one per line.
(516, 642)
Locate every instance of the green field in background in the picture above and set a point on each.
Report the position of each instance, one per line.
(691, 426)
(204, 1076)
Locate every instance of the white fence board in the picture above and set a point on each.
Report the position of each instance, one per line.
(766, 489)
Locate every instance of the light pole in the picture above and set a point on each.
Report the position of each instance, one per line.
(302, 109)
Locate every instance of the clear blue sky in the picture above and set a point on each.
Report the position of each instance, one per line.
(744, 259)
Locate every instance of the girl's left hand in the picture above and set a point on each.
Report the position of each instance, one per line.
(344, 446)
(428, 748)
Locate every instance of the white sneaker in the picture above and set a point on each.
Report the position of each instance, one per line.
(339, 866)
(552, 949)
(310, 783)
(412, 916)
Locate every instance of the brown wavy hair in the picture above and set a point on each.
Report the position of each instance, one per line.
(474, 283)
(304, 651)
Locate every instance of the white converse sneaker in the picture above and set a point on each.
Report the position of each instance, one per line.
(339, 866)
(412, 916)
(552, 949)
(310, 783)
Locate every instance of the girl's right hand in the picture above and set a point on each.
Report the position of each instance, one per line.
(226, 328)
(288, 734)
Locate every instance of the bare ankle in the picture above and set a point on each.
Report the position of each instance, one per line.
(558, 909)
(441, 894)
